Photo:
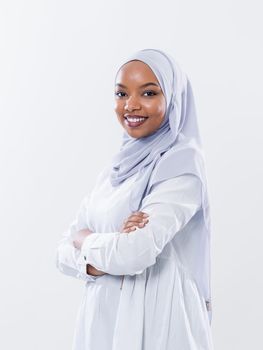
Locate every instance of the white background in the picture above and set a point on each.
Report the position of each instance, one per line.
(58, 128)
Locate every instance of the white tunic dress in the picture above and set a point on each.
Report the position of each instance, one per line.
(158, 305)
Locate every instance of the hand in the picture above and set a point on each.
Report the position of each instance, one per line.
(91, 270)
(138, 219)
(78, 240)
(79, 237)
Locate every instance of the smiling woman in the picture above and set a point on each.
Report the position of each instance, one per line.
(140, 111)
(141, 238)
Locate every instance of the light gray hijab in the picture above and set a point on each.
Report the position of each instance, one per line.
(172, 150)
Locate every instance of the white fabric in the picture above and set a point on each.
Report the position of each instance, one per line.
(67, 255)
(160, 306)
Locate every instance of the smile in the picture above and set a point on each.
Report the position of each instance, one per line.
(135, 121)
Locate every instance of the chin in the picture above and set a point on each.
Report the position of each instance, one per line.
(135, 134)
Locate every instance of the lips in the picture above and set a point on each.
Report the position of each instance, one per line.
(134, 120)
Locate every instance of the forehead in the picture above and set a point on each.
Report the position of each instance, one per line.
(136, 71)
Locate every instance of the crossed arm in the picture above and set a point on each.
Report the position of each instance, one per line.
(170, 206)
(68, 250)
(137, 219)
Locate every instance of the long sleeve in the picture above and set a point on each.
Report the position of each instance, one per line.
(170, 206)
(67, 255)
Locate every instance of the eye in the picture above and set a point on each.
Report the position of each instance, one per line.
(152, 93)
(119, 92)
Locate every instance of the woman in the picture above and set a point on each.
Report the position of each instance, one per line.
(141, 238)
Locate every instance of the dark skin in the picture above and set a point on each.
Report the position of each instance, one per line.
(137, 92)
(134, 97)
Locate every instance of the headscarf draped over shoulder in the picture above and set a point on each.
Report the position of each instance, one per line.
(172, 150)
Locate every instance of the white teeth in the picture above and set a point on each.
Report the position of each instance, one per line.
(135, 119)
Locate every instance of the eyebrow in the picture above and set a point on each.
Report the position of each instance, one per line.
(143, 85)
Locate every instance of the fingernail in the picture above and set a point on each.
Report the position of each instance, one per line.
(145, 215)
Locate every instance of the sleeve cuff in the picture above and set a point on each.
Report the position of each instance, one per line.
(83, 274)
(82, 259)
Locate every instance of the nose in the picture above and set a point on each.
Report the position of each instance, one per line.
(131, 104)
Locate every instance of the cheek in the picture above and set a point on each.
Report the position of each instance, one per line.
(158, 109)
(118, 108)
(161, 111)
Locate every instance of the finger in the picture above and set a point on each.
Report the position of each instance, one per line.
(131, 225)
(135, 223)
(126, 229)
(140, 213)
(130, 229)
(137, 213)
(136, 218)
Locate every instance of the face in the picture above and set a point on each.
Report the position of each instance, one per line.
(140, 103)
